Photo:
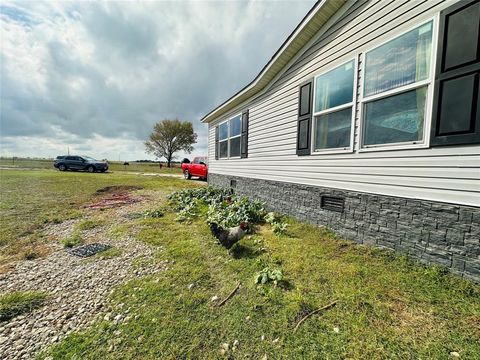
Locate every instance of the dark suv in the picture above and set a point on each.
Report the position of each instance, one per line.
(75, 162)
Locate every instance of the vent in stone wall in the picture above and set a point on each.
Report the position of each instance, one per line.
(332, 203)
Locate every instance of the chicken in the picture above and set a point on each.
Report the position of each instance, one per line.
(228, 237)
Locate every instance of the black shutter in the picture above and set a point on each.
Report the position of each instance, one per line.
(456, 104)
(244, 137)
(305, 100)
(216, 143)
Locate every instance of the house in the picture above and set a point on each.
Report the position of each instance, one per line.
(367, 120)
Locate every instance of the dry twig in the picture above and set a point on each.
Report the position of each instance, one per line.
(229, 296)
(328, 306)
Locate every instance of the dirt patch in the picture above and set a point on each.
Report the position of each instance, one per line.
(409, 320)
(115, 196)
(113, 201)
(473, 322)
(117, 189)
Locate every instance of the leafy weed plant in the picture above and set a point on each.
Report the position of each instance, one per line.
(279, 226)
(158, 213)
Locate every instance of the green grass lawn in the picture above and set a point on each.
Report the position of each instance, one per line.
(32, 199)
(387, 306)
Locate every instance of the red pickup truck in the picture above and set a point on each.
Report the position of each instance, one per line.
(198, 167)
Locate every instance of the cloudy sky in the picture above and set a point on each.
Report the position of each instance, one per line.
(96, 76)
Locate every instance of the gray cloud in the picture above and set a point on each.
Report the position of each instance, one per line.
(76, 71)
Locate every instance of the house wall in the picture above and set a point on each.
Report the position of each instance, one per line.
(445, 174)
(423, 201)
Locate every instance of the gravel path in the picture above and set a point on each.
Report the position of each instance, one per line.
(77, 288)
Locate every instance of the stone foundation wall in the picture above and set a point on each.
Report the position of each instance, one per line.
(432, 232)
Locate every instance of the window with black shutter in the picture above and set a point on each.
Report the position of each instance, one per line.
(305, 98)
(456, 111)
(229, 138)
(216, 142)
(244, 137)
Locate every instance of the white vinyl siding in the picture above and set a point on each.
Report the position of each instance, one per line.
(446, 174)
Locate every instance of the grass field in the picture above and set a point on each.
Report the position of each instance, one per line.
(32, 199)
(114, 166)
(387, 307)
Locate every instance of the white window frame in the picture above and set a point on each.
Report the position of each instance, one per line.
(230, 137)
(220, 141)
(351, 104)
(429, 82)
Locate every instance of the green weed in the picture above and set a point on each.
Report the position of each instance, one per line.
(73, 240)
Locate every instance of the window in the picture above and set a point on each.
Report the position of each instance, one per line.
(333, 108)
(229, 137)
(395, 119)
(223, 139)
(235, 132)
(396, 89)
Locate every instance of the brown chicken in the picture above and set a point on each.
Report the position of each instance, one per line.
(228, 237)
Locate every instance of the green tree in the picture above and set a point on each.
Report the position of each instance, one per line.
(169, 137)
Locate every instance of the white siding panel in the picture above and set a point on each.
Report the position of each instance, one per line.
(448, 174)
(449, 196)
(417, 182)
(368, 171)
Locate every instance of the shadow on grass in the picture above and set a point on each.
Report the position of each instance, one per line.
(240, 251)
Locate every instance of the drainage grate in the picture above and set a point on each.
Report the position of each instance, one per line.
(88, 250)
(332, 203)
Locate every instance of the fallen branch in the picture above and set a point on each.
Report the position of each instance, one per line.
(229, 296)
(332, 304)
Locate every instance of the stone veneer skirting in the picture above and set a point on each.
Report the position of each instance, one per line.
(432, 232)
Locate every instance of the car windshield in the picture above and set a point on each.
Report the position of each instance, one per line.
(89, 158)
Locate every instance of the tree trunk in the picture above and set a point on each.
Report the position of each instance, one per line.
(169, 160)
